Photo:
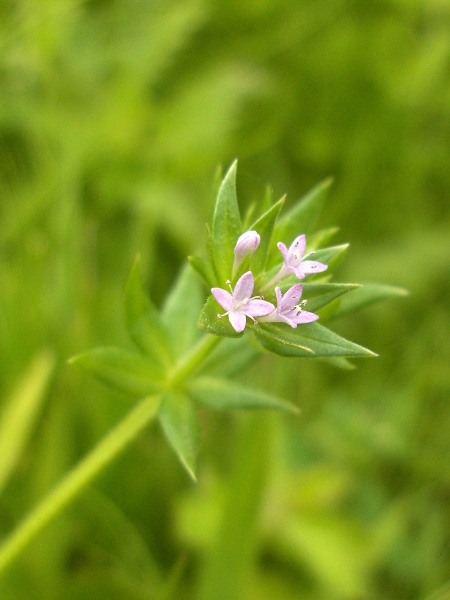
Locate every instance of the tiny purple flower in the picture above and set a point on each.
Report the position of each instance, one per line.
(247, 242)
(239, 304)
(289, 308)
(293, 259)
(294, 263)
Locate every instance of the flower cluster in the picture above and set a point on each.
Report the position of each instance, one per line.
(240, 302)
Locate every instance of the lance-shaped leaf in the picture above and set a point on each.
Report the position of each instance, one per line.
(143, 319)
(204, 269)
(319, 295)
(181, 427)
(321, 238)
(368, 294)
(222, 394)
(264, 226)
(307, 341)
(231, 357)
(331, 256)
(123, 370)
(226, 226)
(212, 323)
(302, 217)
(181, 310)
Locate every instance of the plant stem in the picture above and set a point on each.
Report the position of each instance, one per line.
(192, 361)
(77, 479)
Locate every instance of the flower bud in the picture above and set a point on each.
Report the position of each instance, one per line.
(247, 242)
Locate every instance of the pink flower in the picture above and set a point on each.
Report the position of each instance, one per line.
(289, 308)
(239, 304)
(293, 259)
(294, 263)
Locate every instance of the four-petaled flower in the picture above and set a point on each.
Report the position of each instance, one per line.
(239, 304)
(289, 308)
(293, 260)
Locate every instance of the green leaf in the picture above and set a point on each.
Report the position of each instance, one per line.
(204, 269)
(143, 320)
(231, 357)
(181, 311)
(222, 394)
(302, 217)
(20, 411)
(306, 340)
(367, 294)
(321, 294)
(121, 369)
(181, 427)
(264, 226)
(210, 322)
(331, 256)
(226, 226)
(320, 238)
(280, 340)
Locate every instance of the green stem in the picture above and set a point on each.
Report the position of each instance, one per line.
(77, 479)
(192, 361)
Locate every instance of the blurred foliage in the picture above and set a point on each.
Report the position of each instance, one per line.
(113, 119)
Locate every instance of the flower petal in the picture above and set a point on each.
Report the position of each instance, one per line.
(298, 248)
(279, 297)
(244, 287)
(224, 298)
(291, 297)
(284, 251)
(237, 320)
(312, 266)
(305, 317)
(258, 308)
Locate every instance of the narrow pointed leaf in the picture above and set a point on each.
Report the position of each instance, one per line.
(231, 357)
(20, 411)
(331, 256)
(203, 268)
(121, 369)
(181, 427)
(280, 340)
(226, 225)
(368, 294)
(302, 217)
(264, 226)
(181, 311)
(321, 238)
(211, 323)
(143, 320)
(307, 340)
(319, 295)
(222, 394)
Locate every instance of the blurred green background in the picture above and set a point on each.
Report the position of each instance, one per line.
(114, 116)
